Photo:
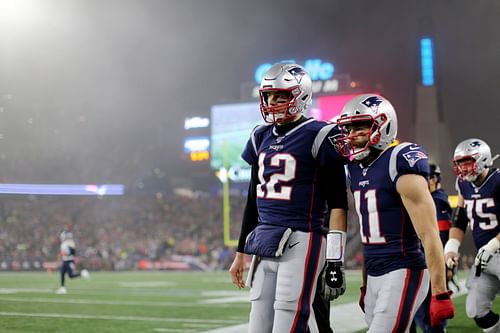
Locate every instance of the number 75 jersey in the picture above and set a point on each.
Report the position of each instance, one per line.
(289, 192)
(482, 204)
(387, 233)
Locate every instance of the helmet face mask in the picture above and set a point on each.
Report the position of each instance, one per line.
(466, 168)
(290, 79)
(355, 135)
(471, 158)
(279, 111)
(366, 109)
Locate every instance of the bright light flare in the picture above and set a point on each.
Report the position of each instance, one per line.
(19, 12)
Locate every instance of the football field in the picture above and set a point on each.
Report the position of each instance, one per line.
(150, 302)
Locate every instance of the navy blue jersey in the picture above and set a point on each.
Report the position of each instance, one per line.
(288, 193)
(390, 241)
(482, 204)
(443, 208)
(443, 214)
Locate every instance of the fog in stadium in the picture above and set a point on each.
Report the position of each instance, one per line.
(97, 92)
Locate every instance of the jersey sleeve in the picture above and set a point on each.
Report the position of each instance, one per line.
(324, 150)
(409, 158)
(458, 186)
(249, 153)
(331, 168)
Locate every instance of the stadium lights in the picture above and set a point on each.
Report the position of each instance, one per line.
(427, 61)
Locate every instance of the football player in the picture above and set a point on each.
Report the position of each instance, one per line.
(440, 197)
(295, 171)
(396, 215)
(443, 211)
(68, 261)
(478, 186)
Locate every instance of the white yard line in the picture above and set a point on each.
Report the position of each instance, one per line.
(24, 290)
(172, 330)
(132, 303)
(128, 318)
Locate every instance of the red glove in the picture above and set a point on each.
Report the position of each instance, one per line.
(361, 301)
(441, 308)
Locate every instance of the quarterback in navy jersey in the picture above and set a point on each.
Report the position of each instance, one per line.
(396, 215)
(478, 186)
(296, 173)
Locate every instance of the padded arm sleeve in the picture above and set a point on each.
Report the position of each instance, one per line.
(250, 215)
(333, 181)
(460, 219)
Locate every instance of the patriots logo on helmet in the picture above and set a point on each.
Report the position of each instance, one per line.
(372, 102)
(297, 72)
(413, 156)
(475, 144)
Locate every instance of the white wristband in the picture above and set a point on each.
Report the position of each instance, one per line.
(493, 245)
(335, 245)
(452, 245)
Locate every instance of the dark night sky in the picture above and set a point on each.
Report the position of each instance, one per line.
(96, 91)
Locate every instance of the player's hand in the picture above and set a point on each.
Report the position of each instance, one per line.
(326, 290)
(451, 260)
(335, 278)
(450, 274)
(362, 295)
(441, 308)
(237, 269)
(485, 254)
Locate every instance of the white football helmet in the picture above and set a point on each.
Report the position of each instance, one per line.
(65, 235)
(471, 158)
(290, 78)
(372, 109)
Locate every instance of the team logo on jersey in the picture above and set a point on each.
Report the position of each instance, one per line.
(297, 72)
(276, 147)
(413, 156)
(372, 102)
(364, 183)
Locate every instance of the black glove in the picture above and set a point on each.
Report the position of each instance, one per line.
(334, 280)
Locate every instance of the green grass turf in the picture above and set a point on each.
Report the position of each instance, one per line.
(139, 302)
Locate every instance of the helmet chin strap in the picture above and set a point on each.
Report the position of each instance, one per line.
(362, 155)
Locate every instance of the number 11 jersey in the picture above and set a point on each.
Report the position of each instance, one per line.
(387, 233)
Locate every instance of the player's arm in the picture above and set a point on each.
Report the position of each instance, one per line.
(248, 224)
(336, 238)
(457, 233)
(420, 206)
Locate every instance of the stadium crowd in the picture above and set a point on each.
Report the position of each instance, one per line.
(123, 233)
(116, 232)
